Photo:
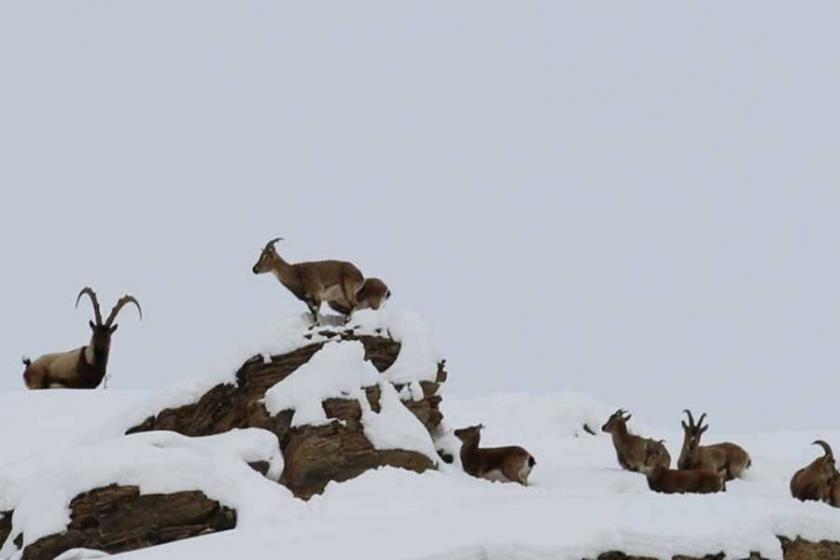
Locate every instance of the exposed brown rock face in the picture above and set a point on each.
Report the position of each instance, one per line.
(314, 455)
(117, 519)
(797, 549)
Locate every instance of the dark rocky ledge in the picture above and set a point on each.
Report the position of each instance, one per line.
(118, 518)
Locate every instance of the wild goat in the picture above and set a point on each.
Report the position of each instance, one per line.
(500, 464)
(633, 451)
(726, 458)
(313, 282)
(669, 481)
(819, 480)
(85, 367)
(373, 294)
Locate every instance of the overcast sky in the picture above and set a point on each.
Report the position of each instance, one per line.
(637, 200)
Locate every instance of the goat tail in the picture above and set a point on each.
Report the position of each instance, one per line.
(26, 361)
(531, 461)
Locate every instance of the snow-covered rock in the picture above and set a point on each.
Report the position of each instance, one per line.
(333, 398)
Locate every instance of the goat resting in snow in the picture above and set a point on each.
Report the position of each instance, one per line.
(85, 367)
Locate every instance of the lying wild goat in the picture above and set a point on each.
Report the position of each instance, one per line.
(500, 464)
(669, 481)
(313, 282)
(373, 294)
(819, 480)
(726, 458)
(85, 367)
(633, 451)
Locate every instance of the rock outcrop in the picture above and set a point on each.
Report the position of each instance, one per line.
(796, 549)
(118, 518)
(314, 455)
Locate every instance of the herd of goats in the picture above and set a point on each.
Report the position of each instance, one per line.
(701, 469)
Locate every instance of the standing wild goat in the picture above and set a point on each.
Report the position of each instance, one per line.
(726, 458)
(819, 480)
(633, 451)
(669, 481)
(313, 282)
(500, 464)
(82, 368)
(373, 294)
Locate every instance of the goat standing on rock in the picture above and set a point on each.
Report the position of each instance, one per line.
(633, 451)
(499, 464)
(314, 282)
(82, 368)
(728, 459)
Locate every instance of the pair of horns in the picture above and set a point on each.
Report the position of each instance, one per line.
(691, 423)
(122, 302)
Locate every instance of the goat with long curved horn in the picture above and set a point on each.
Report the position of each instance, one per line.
(85, 367)
(817, 481)
(727, 459)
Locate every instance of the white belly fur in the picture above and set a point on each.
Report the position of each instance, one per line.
(495, 475)
(332, 293)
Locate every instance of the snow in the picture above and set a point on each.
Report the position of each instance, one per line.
(418, 359)
(338, 370)
(81, 554)
(394, 426)
(579, 503)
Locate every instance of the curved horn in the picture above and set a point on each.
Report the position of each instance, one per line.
(126, 299)
(273, 241)
(700, 422)
(825, 446)
(691, 423)
(94, 300)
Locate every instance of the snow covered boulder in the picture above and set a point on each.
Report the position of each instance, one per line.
(341, 400)
(137, 491)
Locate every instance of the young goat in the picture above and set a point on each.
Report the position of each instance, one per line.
(313, 282)
(500, 464)
(633, 451)
(726, 458)
(373, 295)
(819, 480)
(85, 367)
(668, 481)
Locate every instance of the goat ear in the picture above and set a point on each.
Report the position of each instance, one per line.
(704, 428)
(92, 325)
(628, 417)
(684, 425)
(114, 329)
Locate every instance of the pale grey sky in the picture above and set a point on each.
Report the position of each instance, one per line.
(635, 200)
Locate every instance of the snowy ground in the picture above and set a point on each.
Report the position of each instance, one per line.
(579, 505)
